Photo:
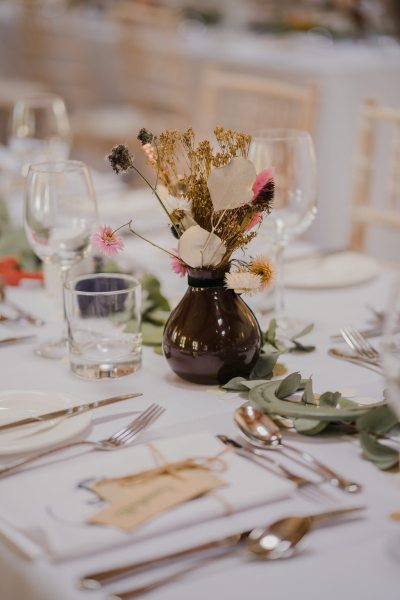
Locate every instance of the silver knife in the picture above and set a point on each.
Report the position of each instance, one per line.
(67, 412)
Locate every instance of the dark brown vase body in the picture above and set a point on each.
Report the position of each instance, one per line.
(212, 335)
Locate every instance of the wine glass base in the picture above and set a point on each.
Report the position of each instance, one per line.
(53, 349)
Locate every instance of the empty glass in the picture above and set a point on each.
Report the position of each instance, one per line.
(290, 153)
(60, 216)
(104, 317)
(40, 130)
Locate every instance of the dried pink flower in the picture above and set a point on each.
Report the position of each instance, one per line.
(255, 219)
(261, 180)
(107, 240)
(177, 265)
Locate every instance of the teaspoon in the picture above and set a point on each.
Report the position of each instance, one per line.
(278, 540)
(261, 431)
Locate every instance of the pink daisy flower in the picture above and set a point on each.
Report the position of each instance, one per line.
(261, 180)
(107, 241)
(177, 265)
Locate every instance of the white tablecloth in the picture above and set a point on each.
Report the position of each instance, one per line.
(353, 560)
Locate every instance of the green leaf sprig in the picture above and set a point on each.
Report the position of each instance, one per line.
(313, 414)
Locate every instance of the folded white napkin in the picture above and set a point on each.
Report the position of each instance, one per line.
(44, 511)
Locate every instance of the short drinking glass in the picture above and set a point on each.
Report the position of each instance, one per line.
(103, 316)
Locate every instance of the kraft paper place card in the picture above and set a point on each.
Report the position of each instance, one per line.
(132, 504)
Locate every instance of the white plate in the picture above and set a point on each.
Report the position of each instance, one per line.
(19, 404)
(338, 270)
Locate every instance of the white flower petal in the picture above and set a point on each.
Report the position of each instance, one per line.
(230, 186)
(200, 248)
(243, 282)
(172, 203)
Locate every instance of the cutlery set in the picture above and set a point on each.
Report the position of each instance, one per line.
(276, 541)
(261, 437)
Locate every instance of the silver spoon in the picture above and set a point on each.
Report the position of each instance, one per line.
(278, 540)
(261, 431)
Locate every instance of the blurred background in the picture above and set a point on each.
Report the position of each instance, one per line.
(331, 67)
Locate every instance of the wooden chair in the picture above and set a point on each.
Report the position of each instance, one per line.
(155, 87)
(55, 53)
(254, 101)
(144, 14)
(385, 213)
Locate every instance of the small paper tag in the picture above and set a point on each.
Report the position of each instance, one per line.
(131, 505)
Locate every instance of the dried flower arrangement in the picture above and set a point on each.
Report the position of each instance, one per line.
(214, 200)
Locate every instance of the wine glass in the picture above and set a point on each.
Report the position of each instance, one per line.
(391, 364)
(40, 130)
(391, 348)
(60, 215)
(290, 154)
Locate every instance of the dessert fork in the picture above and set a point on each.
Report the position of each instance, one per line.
(362, 347)
(121, 438)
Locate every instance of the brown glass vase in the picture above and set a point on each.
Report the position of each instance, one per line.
(212, 335)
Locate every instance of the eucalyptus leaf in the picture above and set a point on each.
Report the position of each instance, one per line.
(270, 334)
(288, 386)
(299, 347)
(268, 349)
(303, 332)
(249, 385)
(236, 385)
(264, 366)
(330, 399)
(308, 393)
(310, 426)
(347, 403)
(383, 456)
(378, 420)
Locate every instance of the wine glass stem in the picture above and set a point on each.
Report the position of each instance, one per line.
(64, 279)
(279, 282)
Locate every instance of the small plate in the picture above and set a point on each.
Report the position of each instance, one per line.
(19, 404)
(343, 269)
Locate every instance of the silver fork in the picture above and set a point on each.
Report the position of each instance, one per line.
(362, 347)
(119, 439)
(264, 460)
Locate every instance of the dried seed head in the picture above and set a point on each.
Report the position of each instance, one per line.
(121, 160)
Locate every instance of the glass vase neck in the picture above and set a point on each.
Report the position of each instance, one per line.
(206, 278)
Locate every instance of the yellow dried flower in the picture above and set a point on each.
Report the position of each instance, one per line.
(261, 266)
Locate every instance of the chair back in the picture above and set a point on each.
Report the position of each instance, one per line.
(376, 192)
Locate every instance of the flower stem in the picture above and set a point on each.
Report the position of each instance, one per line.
(157, 196)
(150, 242)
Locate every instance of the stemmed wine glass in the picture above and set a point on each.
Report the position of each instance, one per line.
(291, 155)
(40, 130)
(391, 362)
(391, 347)
(60, 215)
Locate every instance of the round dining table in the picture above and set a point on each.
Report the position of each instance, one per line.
(354, 557)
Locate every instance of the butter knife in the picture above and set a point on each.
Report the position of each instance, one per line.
(67, 412)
